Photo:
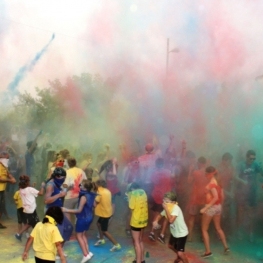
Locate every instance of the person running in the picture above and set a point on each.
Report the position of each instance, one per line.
(139, 219)
(103, 210)
(178, 226)
(212, 211)
(46, 238)
(28, 195)
(84, 214)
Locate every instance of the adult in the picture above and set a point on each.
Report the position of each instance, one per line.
(5, 177)
(226, 175)
(212, 211)
(139, 219)
(29, 156)
(246, 192)
(162, 183)
(74, 178)
(198, 181)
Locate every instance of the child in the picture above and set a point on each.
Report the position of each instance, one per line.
(46, 238)
(84, 214)
(178, 227)
(139, 218)
(19, 211)
(28, 195)
(103, 210)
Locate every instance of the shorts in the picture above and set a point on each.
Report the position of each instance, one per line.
(30, 219)
(83, 224)
(19, 213)
(71, 203)
(104, 222)
(65, 229)
(2, 201)
(178, 243)
(39, 260)
(194, 209)
(138, 229)
(214, 210)
(157, 207)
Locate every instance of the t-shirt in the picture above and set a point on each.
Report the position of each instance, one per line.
(139, 206)
(45, 236)
(162, 183)
(248, 172)
(28, 196)
(74, 178)
(18, 199)
(3, 176)
(178, 228)
(104, 206)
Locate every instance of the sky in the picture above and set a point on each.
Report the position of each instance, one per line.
(211, 93)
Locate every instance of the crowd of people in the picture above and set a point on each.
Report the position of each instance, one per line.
(162, 187)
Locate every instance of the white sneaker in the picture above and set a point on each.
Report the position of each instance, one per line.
(58, 257)
(85, 259)
(91, 254)
(115, 248)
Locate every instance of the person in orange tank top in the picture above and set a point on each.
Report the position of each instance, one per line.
(212, 211)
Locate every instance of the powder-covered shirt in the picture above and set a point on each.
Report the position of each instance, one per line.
(139, 207)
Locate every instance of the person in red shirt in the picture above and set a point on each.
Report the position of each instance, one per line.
(212, 210)
(162, 183)
(198, 181)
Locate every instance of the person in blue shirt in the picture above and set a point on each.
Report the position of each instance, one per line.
(246, 192)
(84, 214)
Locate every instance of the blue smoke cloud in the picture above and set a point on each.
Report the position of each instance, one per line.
(12, 87)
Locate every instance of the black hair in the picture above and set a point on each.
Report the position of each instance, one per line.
(24, 181)
(202, 160)
(107, 166)
(133, 186)
(250, 152)
(227, 156)
(54, 212)
(101, 183)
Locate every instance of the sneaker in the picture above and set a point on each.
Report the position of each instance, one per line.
(115, 247)
(58, 257)
(91, 254)
(151, 236)
(85, 258)
(100, 242)
(27, 235)
(226, 251)
(18, 237)
(161, 239)
(207, 255)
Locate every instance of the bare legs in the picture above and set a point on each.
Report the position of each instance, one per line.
(206, 220)
(83, 243)
(138, 245)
